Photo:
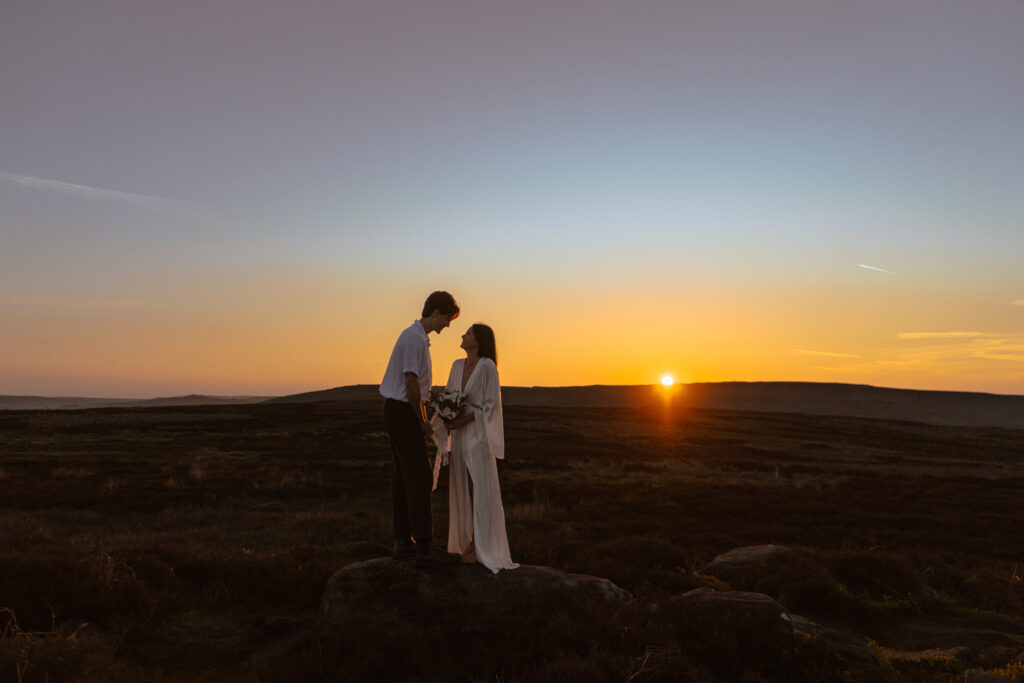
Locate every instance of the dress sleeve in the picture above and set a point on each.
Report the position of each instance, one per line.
(489, 421)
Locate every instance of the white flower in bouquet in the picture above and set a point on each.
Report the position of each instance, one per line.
(446, 403)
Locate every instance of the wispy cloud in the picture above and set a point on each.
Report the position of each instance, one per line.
(936, 356)
(940, 335)
(1018, 302)
(826, 354)
(950, 348)
(875, 268)
(94, 193)
(67, 302)
(979, 347)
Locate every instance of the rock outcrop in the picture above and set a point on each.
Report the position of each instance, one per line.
(739, 558)
(730, 629)
(384, 588)
(725, 608)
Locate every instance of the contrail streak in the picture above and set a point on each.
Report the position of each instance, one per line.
(67, 302)
(880, 270)
(94, 193)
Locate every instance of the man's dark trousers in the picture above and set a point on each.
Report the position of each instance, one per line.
(411, 478)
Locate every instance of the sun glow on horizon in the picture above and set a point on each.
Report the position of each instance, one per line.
(668, 380)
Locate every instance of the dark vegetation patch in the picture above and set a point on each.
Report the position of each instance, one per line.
(184, 544)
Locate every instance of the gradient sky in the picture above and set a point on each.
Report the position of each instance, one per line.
(254, 197)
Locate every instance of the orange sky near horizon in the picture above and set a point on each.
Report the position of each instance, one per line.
(252, 197)
(305, 336)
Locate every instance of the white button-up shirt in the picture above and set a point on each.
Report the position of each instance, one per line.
(411, 354)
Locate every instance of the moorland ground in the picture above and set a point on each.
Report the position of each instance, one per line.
(184, 544)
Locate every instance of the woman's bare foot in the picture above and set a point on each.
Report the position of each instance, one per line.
(469, 554)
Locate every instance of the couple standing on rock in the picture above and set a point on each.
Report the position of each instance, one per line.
(473, 440)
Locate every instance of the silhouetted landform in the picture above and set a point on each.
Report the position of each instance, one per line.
(807, 398)
(80, 403)
(354, 392)
(950, 408)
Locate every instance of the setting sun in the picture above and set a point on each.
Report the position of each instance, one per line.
(667, 380)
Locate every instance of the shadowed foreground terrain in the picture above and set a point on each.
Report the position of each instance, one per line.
(194, 543)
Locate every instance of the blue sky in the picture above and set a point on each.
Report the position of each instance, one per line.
(253, 197)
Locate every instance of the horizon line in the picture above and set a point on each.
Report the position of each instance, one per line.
(653, 385)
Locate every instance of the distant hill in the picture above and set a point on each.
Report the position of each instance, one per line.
(354, 392)
(857, 400)
(79, 403)
(851, 400)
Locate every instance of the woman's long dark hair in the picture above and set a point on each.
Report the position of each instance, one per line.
(485, 341)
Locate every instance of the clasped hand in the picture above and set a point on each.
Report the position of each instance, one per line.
(460, 421)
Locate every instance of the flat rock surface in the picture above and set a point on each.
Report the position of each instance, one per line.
(742, 557)
(733, 611)
(386, 587)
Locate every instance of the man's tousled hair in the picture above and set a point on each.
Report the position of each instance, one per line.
(441, 301)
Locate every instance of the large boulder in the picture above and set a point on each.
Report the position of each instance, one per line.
(735, 631)
(730, 610)
(732, 631)
(384, 589)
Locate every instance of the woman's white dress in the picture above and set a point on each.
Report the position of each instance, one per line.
(474, 496)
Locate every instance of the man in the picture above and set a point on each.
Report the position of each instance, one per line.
(405, 387)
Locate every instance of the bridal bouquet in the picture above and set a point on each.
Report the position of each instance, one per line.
(446, 403)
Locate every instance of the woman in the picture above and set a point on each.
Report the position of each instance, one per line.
(476, 526)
